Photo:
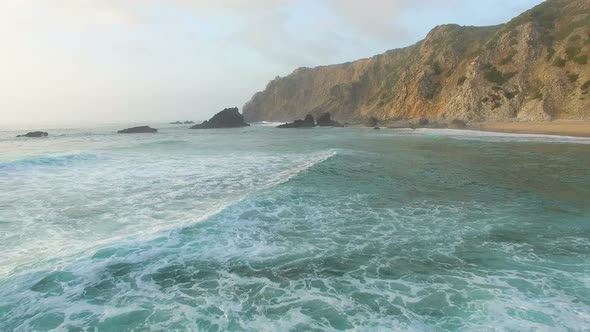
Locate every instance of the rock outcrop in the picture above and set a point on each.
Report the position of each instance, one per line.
(533, 68)
(228, 118)
(308, 122)
(372, 122)
(138, 130)
(34, 134)
(325, 120)
(457, 124)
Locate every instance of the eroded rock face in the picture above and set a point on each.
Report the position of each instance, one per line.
(228, 118)
(457, 124)
(138, 130)
(423, 122)
(308, 122)
(372, 122)
(468, 73)
(34, 134)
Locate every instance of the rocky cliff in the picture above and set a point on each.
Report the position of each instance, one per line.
(532, 68)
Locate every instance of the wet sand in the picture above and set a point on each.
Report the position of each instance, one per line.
(562, 127)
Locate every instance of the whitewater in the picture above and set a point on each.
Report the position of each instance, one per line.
(262, 229)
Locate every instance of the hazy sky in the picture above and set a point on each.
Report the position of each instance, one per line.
(162, 60)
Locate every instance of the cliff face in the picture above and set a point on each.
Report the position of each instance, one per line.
(533, 68)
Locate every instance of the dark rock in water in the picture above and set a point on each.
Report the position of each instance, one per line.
(377, 128)
(138, 130)
(176, 122)
(325, 120)
(228, 118)
(308, 122)
(423, 122)
(189, 122)
(457, 124)
(34, 134)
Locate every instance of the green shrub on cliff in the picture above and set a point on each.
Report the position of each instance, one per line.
(537, 95)
(573, 77)
(508, 58)
(581, 60)
(461, 80)
(492, 74)
(571, 52)
(559, 62)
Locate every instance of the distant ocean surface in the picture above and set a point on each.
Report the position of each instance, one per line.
(262, 229)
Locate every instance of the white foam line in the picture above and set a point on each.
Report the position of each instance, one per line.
(268, 124)
(279, 178)
(479, 133)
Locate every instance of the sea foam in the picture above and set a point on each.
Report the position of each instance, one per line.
(263, 229)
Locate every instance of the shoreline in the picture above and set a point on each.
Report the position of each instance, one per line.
(570, 128)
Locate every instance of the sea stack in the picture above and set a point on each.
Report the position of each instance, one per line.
(138, 130)
(308, 122)
(228, 118)
(34, 134)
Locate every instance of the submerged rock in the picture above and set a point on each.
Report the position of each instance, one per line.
(325, 120)
(308, 122)
(377, 128)
(228, 118)
(34, 134)
(138, 130)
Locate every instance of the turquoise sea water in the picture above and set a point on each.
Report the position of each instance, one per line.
(261, 229)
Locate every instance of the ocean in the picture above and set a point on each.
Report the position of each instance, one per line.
(263, 229)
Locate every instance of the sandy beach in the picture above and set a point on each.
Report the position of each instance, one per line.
(561, 127)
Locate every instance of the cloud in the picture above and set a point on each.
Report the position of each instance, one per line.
(275, 29)
(375, 18)
(330, 30)
(379, 18)
(42, 14)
